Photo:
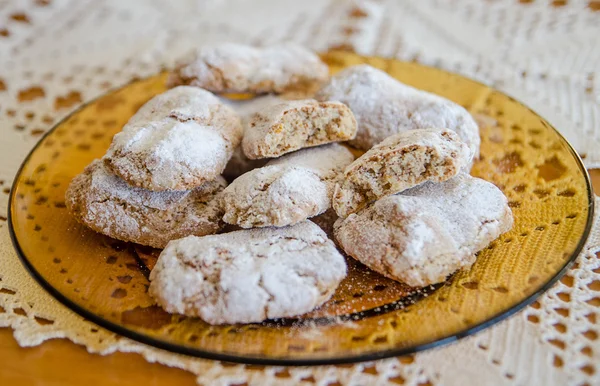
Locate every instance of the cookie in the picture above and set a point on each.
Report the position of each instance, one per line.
(238, 68)
(287, 190)
(177, 141)
(383, 106)
(108, 205)
(426, 233)
(186, 103)
(249, 275)
(400, 162)
(292, 125)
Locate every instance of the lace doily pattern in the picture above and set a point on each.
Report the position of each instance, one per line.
(56, 54)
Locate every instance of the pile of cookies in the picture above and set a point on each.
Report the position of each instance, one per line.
(407, 208)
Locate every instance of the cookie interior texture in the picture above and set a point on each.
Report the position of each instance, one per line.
(293, 125)
(400, 162)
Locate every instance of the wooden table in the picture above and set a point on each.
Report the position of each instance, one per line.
(60, 362)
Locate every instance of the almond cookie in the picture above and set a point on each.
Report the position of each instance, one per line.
(103, 202)
(383, 107)
(287, 190)
(238, 68)
(401, 161)
(428, 232)
(249, 275)
(293, 125)
(177, 141)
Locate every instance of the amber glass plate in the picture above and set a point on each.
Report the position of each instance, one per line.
(369, 317)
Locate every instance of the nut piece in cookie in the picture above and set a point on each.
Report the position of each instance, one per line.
(292, 125)
(238, 68)
(287, 190)
(426, 233)
(249, 275)
(400, 162)
(177, 141)
(383, 106)
(108, 205)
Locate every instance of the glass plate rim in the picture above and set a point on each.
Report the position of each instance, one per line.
(258, 360)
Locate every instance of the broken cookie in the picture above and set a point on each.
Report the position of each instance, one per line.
(401, 161)
(292, 125)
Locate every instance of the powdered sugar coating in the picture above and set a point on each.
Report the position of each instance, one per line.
(383, 106)
(291, 125)
(105, 203)
(248, 276)
(428, 232)
(176, 141)
(400, 162)
(287, 190)
(239, 68)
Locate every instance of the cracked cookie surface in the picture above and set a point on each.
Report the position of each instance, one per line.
(177, 141)
(108, 205)
(292, 125)
(426, 233)
(400, 162)
(287, 190)
(248, 276)
(239, 68)
(383, 106)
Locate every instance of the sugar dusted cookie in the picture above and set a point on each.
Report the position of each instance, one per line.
(249, 275)
(383, 106)
(185, 103)
(238, 68)
(287, 190)
(428, 232)
(108, 205)
(177, 141)
(399, 162)
(292, 125)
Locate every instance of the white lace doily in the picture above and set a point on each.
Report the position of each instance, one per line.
(55, 54)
